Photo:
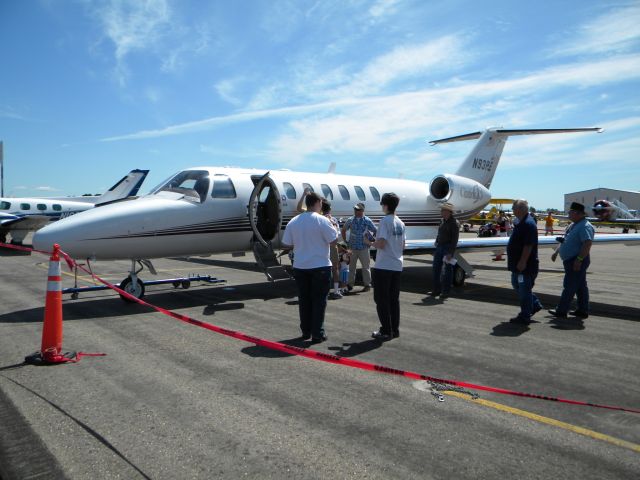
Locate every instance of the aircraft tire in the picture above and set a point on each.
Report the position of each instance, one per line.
(137, 289)
(458, 276)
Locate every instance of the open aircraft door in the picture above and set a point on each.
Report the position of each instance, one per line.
(265, 210)
(265, 218)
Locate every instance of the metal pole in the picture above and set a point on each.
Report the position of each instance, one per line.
(1, 171)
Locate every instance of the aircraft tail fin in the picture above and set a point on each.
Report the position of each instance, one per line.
(481, 164)
(127, 186)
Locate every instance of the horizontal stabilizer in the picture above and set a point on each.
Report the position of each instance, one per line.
(512, 132)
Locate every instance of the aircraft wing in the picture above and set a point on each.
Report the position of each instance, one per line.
(616, 222)
(30, 222)
(607, 223)
(493, 243)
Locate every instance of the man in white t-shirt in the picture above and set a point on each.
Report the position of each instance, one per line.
(390, 242)
(311, 234)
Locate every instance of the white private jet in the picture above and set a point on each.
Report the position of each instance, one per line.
(206, 210)
(19, 216)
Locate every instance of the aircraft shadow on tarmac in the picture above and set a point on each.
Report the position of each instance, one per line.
(234, 264)
(214, 299)
(418, 280)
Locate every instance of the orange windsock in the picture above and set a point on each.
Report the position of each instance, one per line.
(52, 330)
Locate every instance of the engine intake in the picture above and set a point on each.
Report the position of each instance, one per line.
(462, 192)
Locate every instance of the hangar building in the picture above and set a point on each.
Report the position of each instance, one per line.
(589, 197)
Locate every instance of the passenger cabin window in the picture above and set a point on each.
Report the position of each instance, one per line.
(223, 187)
(193, 184)
(5, 205)
(326, 191)
(289, 190)
(359, 193)
(375, 193)
(41, 206)
(57, 207)
(344, 192)
(306, 185)
(25, 206)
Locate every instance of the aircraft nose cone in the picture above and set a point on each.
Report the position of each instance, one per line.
(46, 237)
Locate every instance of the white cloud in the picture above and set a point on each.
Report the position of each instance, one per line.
(46, 188)
(616, 31)
(377, 124)
(132, 25)
(382, 8)
(407, 62)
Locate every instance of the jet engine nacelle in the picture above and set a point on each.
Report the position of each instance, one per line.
(462, 192)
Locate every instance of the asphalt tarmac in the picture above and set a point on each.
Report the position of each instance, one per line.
(172, 400)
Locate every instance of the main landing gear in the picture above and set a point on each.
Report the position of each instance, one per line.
(135, 287)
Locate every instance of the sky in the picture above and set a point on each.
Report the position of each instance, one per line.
(92, 89)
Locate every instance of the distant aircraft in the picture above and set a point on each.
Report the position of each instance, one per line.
(207, 210)
(19, 216)
(497, 205)
(612, 213)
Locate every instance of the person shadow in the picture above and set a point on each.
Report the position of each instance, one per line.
(258, 351)
(356, 348)
(508, 329)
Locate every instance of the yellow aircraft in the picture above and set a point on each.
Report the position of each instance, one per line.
(496, 205)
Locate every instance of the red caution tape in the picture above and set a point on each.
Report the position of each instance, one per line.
(329, 358)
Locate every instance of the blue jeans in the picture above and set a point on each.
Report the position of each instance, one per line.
(386, 294)
(528, 300)
(575, 283)
(438, 263)
(313, 287)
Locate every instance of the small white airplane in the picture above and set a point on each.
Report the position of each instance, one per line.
(207, 210)
(613, 211)
(19, 216)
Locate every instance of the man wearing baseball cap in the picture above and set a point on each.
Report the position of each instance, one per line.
(574, 252)
(358, 227)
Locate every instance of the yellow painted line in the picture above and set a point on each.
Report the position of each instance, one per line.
(549, 421)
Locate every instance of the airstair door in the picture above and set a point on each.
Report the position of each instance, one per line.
(265, 218)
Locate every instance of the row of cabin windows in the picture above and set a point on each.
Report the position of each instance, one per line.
(290, 192)
(27, 206)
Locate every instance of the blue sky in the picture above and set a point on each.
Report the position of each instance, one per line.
(92, 89)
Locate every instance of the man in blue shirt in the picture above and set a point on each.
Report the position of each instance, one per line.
(358, 227)
(574, 252)
(522, 262)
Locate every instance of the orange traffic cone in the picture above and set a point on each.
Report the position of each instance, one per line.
(51, 348)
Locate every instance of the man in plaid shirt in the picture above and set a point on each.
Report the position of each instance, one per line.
(358, 226)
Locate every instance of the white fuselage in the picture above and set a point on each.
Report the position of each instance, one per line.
(174, 222)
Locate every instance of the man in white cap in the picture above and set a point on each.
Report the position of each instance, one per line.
(446, 243)
(359, 226)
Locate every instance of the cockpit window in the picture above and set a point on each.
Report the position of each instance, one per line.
(193, 184)
(223, 187)
(5, 205)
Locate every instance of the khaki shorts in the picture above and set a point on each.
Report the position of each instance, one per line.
(333, 254)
